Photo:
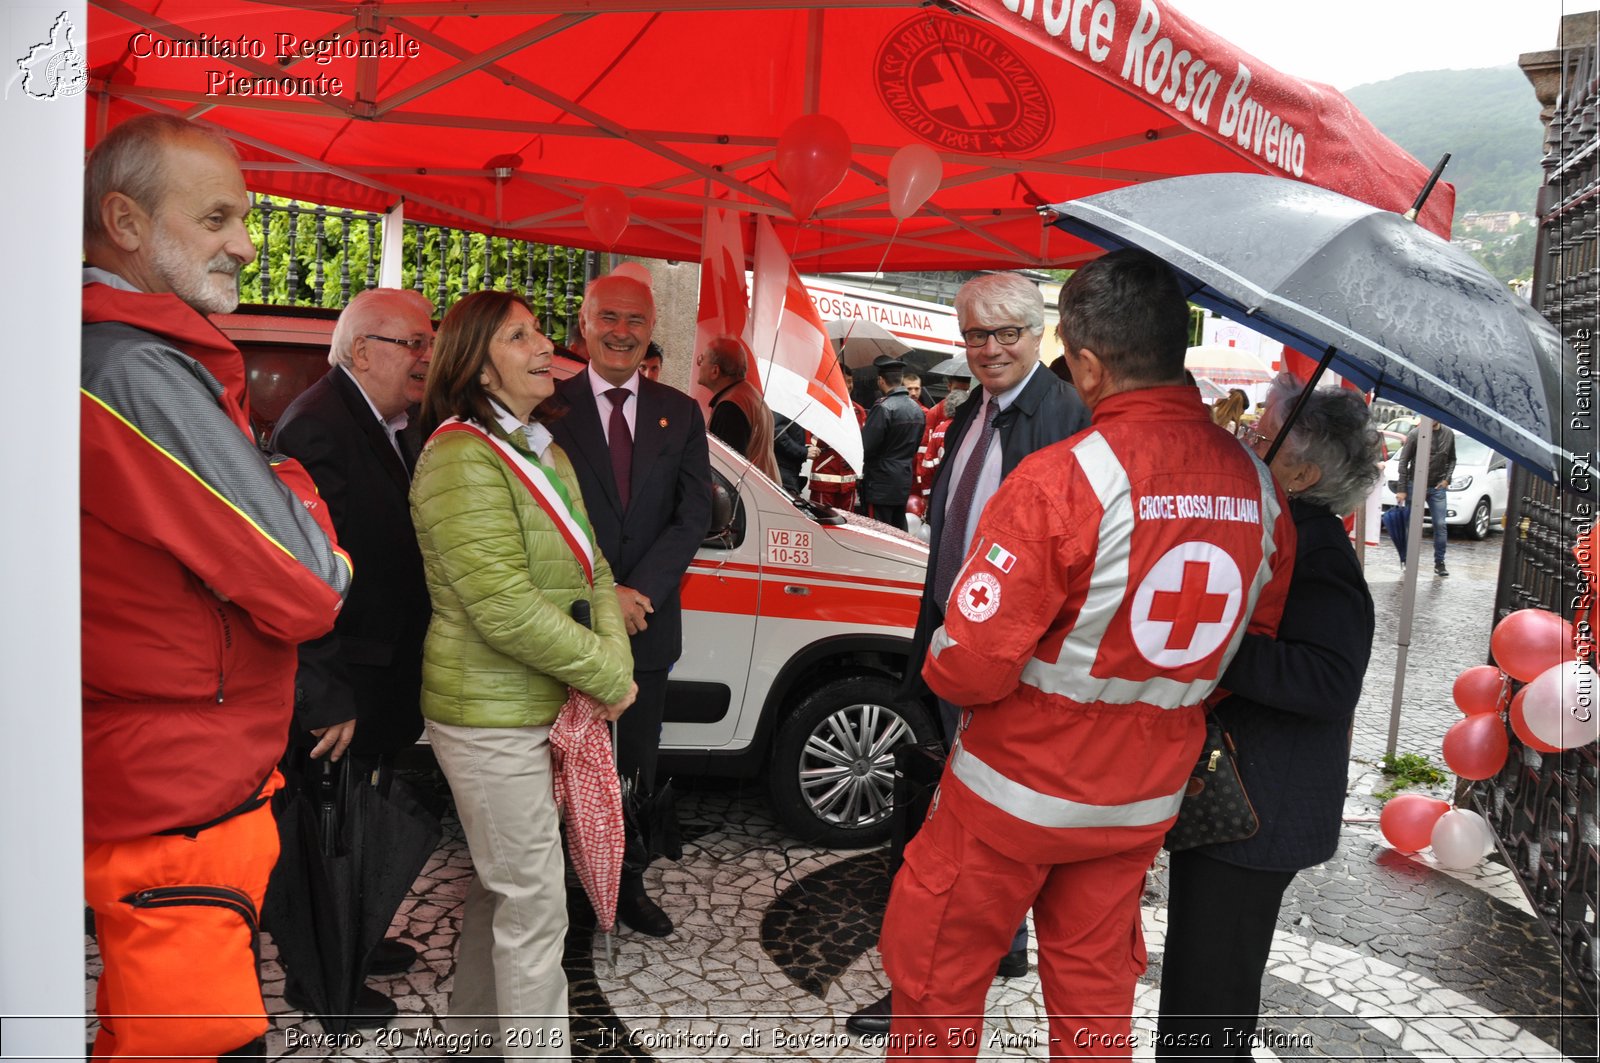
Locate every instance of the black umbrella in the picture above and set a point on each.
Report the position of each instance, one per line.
(349, 852)
(1386, 303)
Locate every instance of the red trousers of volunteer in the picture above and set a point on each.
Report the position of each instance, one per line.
(952, 912)
(177, 922)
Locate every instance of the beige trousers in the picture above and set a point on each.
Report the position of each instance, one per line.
(509, 985)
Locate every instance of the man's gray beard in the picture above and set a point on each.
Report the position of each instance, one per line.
(953, 400)
(205, 291)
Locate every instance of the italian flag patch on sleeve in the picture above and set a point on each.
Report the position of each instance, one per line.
(1000, 558)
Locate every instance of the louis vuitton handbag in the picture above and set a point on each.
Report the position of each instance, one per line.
(1215, 807)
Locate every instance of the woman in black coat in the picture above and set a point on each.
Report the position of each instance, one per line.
(1293, 698)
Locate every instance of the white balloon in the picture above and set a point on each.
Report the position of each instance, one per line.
(1457, 840)
(1483, 825)
(1562, 706)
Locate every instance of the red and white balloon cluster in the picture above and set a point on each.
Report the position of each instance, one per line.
(1555, 711)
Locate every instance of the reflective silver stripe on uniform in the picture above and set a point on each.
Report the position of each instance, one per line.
(939, 642)
(829, 478)
(1070, 675)
(1045, 810)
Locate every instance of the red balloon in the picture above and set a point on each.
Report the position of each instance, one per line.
(1475, 748)
(1407, 821)
(605, 208)
(1529, 642)
(1519, 724)
(1480, 689)
(813, 155)
(914, 175)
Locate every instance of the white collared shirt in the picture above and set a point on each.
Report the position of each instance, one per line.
(602, 402)
(96, 275)
(538, 437)
(392, 426)
(989, 477)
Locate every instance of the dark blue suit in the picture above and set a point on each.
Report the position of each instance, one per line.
(651, 541)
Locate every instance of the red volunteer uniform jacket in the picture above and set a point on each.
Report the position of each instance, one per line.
(1110, 580)
(203, 568)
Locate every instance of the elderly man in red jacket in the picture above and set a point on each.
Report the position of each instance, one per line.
(1109, 581)
(204, 565)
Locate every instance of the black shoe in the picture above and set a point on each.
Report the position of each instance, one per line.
(636, 911)
(871, 1020)
(1013, 964)
(1440, 570)
(391, 956)
(370, 1010)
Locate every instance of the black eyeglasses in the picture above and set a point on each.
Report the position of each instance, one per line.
(415, 344)
(1005, 337)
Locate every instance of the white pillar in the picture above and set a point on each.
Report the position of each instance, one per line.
(41, 765)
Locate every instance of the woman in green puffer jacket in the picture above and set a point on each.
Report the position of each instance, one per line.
(507, 549)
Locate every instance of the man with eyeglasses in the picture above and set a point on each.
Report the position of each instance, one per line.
(1021, 408)
(358, 687)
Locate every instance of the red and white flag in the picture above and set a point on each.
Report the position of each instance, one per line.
(801, 372)
(724, 300)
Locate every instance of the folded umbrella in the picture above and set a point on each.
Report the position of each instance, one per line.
(1397, 524)
(589, 796)
(349, 853)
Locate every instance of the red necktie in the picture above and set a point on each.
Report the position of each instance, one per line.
(621, 443)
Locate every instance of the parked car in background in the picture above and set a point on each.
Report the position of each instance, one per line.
(1392, 442)
(1477, 498)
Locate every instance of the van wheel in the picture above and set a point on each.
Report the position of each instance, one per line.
(831, 779)
(1478, 527)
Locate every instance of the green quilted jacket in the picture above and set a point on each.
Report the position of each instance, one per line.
(502, 647)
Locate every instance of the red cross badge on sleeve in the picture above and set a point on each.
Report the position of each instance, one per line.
(978, 597)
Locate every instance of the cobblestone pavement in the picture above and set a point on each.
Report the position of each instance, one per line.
(1378, 955)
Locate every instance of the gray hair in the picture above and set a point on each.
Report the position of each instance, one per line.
(730, 355)
(1010, 298)
(132, 159)
(364, 312)
(1334, 432)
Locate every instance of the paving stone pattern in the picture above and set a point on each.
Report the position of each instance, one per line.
(1378, 955)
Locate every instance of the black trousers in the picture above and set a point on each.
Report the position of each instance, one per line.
(1220, 921)
(894, 516)
(639, 730)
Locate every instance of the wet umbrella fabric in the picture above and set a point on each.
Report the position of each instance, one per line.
(860, 341)
(349, 852)
(1406, 314)
(589, 796)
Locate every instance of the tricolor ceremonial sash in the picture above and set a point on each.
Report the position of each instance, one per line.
(546, 489)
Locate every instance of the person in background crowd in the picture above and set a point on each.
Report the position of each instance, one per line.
(359, 685)
(640, 451)
(1292, 700)
(1091, 619)
(1017, 409)
(739, 415)
(650, 368)
(508, 548)
(913, 386)
(790, 451)
(1441, 470)
(889, 444)
(204, 565)
(1228, 412)
(833, 483)
(940, 411)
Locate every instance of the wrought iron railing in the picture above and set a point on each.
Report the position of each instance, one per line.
(320, 256)
(1543, 806)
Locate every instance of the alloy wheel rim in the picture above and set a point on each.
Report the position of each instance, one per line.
(847, 766)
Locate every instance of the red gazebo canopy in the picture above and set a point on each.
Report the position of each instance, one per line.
(500, 115)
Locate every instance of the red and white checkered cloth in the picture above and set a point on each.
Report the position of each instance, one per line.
(589, 796)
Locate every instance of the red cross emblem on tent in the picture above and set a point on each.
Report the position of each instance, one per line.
(1187, 605)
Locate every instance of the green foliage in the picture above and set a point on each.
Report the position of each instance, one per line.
(1489, 122)
(309, 268)
(1408, 769)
